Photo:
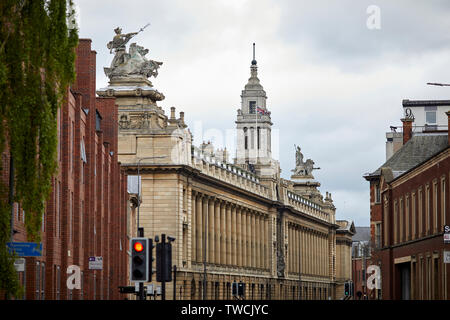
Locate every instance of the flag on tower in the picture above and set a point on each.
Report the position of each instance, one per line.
(261, 111)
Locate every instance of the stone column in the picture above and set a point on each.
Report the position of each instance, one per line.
(310, 248)
(267, 244)
(233, 236)
(194, 226)
(239, 236)
(296, 251)
(253, 238)
(199, 231)
(302, 248)
(211, 229)
(222, 238)
(316, 253)
(290, 250)
(324, 254)
(249, 239)
(261, 232)
(228, 237)
(217, 232)
(244, 236)
(205, 225)
(258, 241)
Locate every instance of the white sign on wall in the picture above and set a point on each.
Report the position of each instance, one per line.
(95, 263)
(446, 256)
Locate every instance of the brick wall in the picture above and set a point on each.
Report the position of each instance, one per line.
(85, 214)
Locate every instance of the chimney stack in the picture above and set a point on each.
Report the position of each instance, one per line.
(172, 113)
(407, 129)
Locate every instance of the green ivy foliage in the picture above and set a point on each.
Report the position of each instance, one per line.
(37, 64)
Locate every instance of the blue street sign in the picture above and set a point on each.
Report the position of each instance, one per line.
(25, 249)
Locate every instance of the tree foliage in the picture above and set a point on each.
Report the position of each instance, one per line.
(37, 62)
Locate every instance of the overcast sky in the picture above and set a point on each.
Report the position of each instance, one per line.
(334, 86)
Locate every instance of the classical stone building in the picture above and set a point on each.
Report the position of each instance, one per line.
(233, 221)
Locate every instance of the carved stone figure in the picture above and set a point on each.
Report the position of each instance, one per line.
(303, 168)
(132, 63)
(298, 157)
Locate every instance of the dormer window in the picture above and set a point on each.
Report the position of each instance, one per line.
(252, 107)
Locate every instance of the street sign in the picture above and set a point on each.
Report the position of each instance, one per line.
(446, 234)
(95, 263)
(25, 249)
(19, 264)
(446, 256)
(446, 237)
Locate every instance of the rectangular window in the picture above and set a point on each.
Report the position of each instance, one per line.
(58, 283)
(429, 287)
(430, 115)
(377, 194)
(443, 202)
(420, 211)
(378, 235)
(395, 222)
(42, 281)
(38, 280)
(81, 222)
(71, 217)
(435, 206)
(252, 107)
(72, 144)
(401, 222)
(427, 209)
(385, 222)
(407, 225)
(413, 214)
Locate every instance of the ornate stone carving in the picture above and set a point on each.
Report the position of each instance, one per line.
(303, 168)
(132, 63)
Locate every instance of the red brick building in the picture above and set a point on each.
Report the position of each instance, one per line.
(360, 262)
(409, 208)
(86, 213)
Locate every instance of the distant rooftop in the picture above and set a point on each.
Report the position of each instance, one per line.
(418, 149)
(362, 234)
(422, 103)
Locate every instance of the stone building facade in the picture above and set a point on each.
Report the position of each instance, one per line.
(233, 221)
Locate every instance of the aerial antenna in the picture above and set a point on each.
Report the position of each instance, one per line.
(254, 56)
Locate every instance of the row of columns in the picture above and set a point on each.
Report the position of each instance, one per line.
(228, 234)
(308, 251)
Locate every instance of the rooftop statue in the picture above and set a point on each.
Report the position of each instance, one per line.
(302, 168)
(132, 63)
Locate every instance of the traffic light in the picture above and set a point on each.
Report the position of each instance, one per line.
(139, 265)
(352, 288)
(151, 259)
(347, 289)
(164, 262)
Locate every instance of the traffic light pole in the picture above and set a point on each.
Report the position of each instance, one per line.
(174, 282)
(163, 269)
(141, 294)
